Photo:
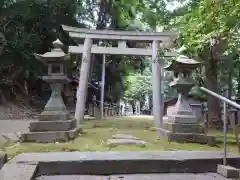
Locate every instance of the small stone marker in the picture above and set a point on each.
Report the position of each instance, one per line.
(12, 137)
(122, 139)
(3, 140)
(3, 159)
(228, 171)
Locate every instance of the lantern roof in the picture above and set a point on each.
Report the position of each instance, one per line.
(56, 54)
(182, 62)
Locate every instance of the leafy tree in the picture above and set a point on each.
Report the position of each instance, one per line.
(29, 26)
(198, 27)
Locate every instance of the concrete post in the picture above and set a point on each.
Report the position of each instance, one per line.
(105, 111)
(97, 112)
(83, 80)
(156, 85)
(103, 86)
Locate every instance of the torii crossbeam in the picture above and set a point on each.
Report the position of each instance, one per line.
(153, 39)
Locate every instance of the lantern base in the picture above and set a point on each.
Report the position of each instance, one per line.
(183, 128)
(54, 116)
(43, 126)
(200, 138)
(51, 136)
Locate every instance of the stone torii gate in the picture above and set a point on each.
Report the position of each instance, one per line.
(154, 39)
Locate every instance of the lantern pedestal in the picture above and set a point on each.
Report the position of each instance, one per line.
(55, 109)
(54, 123)
(181, 125)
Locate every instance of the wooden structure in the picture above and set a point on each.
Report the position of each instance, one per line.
(153, 39)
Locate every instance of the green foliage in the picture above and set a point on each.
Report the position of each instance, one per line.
(29, 26)
(138, 85)
(201, 22)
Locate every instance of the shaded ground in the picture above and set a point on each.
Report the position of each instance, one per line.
(9, 111)
(167, 176)
(96, 133)
(10, 126)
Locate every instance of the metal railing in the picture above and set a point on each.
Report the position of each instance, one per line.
(225, 102)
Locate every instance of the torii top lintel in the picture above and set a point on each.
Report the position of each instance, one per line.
(81, 33)
(78, 34)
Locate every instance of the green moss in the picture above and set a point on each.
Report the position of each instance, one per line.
(96, 133)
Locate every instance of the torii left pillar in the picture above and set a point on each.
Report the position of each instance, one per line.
(156, 85)
(83, 80)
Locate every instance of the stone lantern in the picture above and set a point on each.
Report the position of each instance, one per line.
(54, 123)
(55, 108)
(181, 123)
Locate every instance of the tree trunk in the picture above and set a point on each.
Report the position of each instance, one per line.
(213, 104)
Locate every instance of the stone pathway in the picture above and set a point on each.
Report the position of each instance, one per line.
(10, 130)
(166, 176)
(122, 139)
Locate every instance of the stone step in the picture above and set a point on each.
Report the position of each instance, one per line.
(115, 162)
(42, 126)
(51, 136)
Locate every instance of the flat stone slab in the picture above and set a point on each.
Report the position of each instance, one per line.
(166, 176)
(18, 172)
(119, 156)
(108, 163)
(120, 142)
(124, 136)
(89, 118)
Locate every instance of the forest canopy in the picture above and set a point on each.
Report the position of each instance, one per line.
(207, 29)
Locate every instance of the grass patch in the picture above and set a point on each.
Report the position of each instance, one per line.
(96, 133)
